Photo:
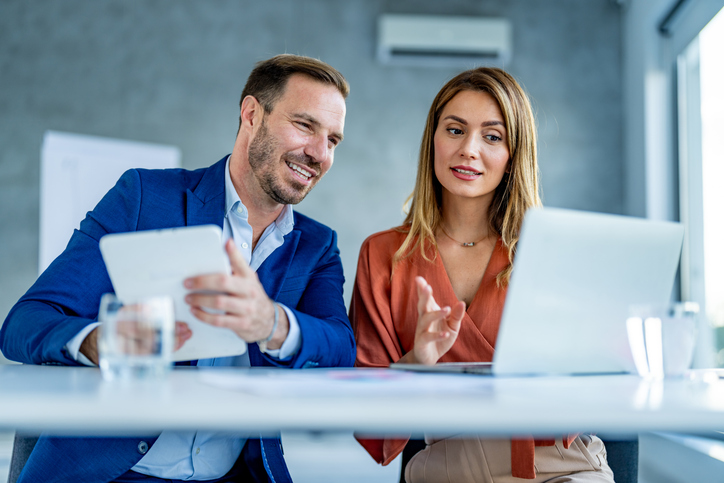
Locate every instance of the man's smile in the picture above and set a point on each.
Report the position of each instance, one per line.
(301, 172)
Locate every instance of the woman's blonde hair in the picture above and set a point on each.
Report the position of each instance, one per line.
(517, 191)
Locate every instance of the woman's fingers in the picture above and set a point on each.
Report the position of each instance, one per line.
(441, 324)
(424, 292)
(437, 328)
(431, 322)
(425, 300)
(434, 337)
(456, 316)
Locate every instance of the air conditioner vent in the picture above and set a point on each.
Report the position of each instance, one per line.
(423, 40)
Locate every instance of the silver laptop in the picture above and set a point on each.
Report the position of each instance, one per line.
(574, 278)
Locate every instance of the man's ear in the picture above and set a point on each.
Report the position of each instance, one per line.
(251, 112)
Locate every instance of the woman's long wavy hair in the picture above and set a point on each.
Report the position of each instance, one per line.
(517, 191)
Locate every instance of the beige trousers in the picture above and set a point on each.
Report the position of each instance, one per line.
(478, 460)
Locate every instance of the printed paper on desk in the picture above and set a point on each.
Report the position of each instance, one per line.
(156, 262)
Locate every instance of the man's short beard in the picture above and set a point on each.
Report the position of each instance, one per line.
(261, 159)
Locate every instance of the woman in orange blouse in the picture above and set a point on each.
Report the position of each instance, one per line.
(433, 289)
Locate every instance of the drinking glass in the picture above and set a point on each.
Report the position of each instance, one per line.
(136, 337)
(662, 338)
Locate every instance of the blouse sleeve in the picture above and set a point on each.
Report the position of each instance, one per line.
(377, 341)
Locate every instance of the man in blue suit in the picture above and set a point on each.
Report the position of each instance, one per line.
(284, 296)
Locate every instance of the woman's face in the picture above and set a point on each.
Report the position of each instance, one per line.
(471, 146)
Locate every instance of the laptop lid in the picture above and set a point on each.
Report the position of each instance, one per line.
(575, 275)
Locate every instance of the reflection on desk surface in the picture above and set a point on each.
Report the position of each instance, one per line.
(75, 400)
(344, 382)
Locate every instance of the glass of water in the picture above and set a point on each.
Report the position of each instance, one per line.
(662, 338)
(136, 337)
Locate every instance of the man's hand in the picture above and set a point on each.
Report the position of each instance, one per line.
(437, 328)
(183, 333)
(244, 305)
(89, 346)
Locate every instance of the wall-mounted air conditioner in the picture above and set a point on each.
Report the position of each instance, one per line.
(424, 40)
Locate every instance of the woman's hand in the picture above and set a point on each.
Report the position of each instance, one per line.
(437, 328)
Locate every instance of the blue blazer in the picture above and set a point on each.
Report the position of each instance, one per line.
(305, 274)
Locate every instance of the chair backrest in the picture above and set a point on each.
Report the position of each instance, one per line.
(623, 458)
(22, 447)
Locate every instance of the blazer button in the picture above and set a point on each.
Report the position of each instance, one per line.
(143, 447)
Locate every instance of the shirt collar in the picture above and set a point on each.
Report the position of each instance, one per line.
(285, 220)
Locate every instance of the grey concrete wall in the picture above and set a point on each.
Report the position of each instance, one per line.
(171, 71)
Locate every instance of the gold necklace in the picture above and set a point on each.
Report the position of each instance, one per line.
(462, 244)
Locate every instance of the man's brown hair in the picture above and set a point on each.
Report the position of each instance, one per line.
(268, 80)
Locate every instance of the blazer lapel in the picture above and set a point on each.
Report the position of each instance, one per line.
(275, 268)
(205, 203)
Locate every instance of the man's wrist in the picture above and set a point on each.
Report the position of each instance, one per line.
(282, 331)
(89, 346)
(263, 344)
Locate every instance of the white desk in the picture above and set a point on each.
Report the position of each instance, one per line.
(76, 401)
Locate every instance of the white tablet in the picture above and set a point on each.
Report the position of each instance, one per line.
(156, 262)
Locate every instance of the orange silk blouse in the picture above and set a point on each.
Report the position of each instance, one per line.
(383, 312)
